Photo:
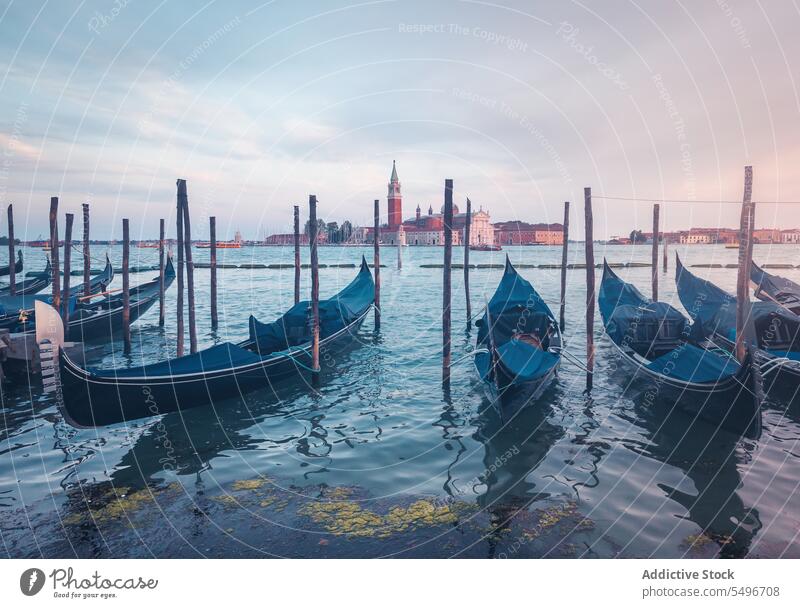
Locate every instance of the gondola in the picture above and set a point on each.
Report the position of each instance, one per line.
(777, 331)
(17, 312)
(35, 282)
(90, 320)
(680, 368)
(771, 288)
(274, 351)
(518, 349)
(4, 272)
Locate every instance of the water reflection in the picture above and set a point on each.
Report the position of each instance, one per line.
(710, 457)
(515, 444)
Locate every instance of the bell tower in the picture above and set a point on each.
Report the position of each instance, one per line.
(395, 200)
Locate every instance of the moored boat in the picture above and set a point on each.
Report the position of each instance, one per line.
(33, 283)
(779, 290)
(17, 313)
(777, 330)
(518, 348)
(4, 271)
(274, 351)
(678, 366)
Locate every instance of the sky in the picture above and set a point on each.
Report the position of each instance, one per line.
(522, 104)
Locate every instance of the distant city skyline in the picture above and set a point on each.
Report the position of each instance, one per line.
(522, 105)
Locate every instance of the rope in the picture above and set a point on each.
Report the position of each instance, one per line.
(304, 366)
(470, 354)
(476, 315)
(91, 257)
(705, 202)
(574, 360)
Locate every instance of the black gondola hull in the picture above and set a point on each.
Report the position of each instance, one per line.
(88, 401)
(729, 403)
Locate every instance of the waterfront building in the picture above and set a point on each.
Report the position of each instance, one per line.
(517, 232)
(791, 236)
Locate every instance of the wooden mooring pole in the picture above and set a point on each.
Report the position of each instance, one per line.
(56, 270)
(296, 254)
(179, 320)
(654, 255)
(467, 225)
(446, 280)
(126, 286)
(745, 262)
(312, 238)
(666, 256)
(212, 235)
(590, 296)
(12, 275)
(161, 262)
(377, 263)
(67, 271)
(400, 247)
(564, 248)
(187, 244)
(745, 327)
(87, 261)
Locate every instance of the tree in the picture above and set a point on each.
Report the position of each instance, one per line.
(320, 227)
(346, 231)
(637, 237)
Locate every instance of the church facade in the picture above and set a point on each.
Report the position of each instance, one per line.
(428, 229)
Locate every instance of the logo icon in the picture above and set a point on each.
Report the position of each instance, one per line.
(31, 581)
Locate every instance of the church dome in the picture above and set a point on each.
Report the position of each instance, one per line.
(455, 209)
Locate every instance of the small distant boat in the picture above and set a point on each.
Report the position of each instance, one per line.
(731, 246)
(683, 369)
(220, 245)
(485, 247)
(274, 351)
(772, 288)
(147, 245)
(518, 350)
(4, 271)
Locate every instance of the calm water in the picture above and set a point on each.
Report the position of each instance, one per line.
(380, 461)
